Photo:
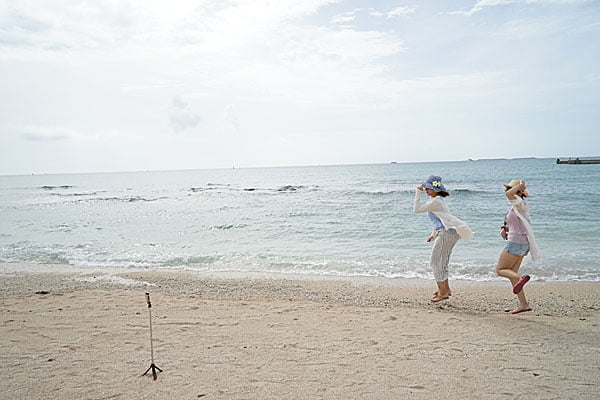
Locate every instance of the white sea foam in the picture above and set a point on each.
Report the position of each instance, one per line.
(117, 280)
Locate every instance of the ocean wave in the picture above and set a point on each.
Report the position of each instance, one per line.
(129, 199)
(279, 189)
(412, 268)
(225, 227)
(119, 263)
(90, 262)
(60, 228)
(86, 199)
(473, 191)
(53, 258)
(76, 194)
(202, 189)
(186, 261)
(403, 191)
(26, 251)
(123, 199)
(379, 192)
(210, 186)
(290, 188)
(49, 187)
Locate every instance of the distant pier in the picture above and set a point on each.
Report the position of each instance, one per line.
(578, 161)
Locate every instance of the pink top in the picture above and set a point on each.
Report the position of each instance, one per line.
(517, 233)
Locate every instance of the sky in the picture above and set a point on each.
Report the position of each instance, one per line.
(107, 85)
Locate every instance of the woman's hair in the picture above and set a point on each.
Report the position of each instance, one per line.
(507, 188)
(443, 193)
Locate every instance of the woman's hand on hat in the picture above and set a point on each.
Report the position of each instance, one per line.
(421, 186)
(515, 190)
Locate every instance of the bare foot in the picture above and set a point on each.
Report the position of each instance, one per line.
(438, 298)
(436, 293)
(521, 309)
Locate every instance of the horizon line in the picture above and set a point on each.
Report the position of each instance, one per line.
(393, 162)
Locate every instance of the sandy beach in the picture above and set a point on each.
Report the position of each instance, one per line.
(73, 335)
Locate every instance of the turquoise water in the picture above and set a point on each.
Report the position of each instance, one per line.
(353, 220)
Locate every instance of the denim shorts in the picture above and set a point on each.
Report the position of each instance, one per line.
(517, 249)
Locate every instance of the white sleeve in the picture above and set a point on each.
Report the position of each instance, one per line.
(518, 203)
(430, 205)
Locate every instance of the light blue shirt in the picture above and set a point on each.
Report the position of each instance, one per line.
(437, 223)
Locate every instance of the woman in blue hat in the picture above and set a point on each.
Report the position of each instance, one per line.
(447, 229)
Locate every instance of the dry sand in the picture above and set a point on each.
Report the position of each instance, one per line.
(86, 336)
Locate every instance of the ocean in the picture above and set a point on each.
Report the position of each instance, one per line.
(346, 221)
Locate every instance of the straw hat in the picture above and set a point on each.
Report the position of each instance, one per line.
(514, 183)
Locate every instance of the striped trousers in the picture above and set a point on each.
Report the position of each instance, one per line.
(440, 254)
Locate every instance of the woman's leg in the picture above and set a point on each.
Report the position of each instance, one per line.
(437, 267)
(440, 258)
(441, 293)
(508, 267)
(521, 294)
(447, 287)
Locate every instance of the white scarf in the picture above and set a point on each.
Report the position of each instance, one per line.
(451, 222)
(517, 203)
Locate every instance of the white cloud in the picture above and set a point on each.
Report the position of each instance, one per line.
(482, 4)
(55, 133)
(345, 17)
(241, 49)
(65, 25)
(182, 118)
(401, 11)
(100, 24)
(532, 27)
(46, 134)
(230, 116)
(558, 1)
(374, 13)
(179, 103)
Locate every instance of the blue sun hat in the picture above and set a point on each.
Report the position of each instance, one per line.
(434, 183)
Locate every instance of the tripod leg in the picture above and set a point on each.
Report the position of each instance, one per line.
(153, 367)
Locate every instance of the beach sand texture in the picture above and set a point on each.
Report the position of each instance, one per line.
(241, 338)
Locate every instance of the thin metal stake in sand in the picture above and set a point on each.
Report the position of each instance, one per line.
(152, 366)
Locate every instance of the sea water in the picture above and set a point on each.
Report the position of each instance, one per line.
(351, 220)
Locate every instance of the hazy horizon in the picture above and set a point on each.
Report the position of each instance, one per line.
(296, 166)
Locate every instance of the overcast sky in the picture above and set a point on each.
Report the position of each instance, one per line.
(106, 85)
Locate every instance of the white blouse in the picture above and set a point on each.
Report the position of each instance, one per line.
(437, 205)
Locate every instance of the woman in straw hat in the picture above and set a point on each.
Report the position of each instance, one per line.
(447, 229)
(517, 230)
